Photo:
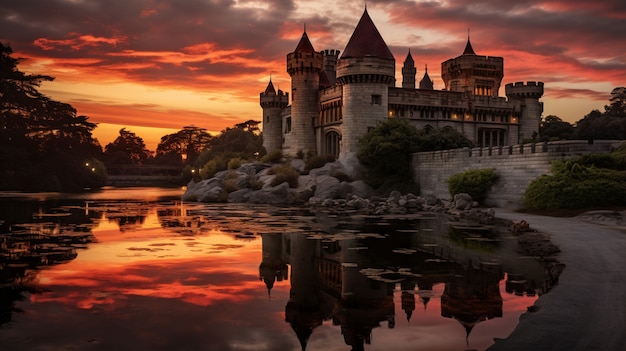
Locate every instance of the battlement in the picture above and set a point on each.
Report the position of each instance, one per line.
(516, 166)
(530, 89)
(271, 99)
(304, 62)
(331, 52)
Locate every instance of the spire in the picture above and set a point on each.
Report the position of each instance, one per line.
(270, 87)
(409, 58)
(426, 83)
(366, 41)
(468, 47)
(304, 45)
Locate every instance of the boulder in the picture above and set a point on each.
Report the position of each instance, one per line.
(462, 201)
(327, 187)
(279, 194)
(241, 195)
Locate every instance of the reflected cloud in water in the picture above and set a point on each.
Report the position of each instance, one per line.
(166, 275)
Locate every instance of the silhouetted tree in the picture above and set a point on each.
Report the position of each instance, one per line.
(182, 147)
(127, 148)
(41, 140)
(554, 128)
(607, 125)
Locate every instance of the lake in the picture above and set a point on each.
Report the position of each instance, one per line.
(137, 269)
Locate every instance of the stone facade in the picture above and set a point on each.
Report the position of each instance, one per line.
(516, 166)
(337, 99)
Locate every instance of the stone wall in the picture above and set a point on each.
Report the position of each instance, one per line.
(516, 165)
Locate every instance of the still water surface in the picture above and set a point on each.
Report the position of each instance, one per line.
(136, 269)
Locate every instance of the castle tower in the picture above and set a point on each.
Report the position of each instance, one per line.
(476, 74)
(527, 108)
(304, 66)
(273, 103)
(426, 83)
(366, 71)
(408, 72)
(329, 58)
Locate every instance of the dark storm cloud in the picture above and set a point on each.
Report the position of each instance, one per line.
(102, 28)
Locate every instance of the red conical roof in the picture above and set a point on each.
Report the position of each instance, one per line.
(366, 41)
(305, 45)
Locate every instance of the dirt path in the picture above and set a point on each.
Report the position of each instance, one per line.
(587, 309)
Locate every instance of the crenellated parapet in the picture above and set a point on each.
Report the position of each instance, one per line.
(531, 89)
(304, 62)
(269, 99)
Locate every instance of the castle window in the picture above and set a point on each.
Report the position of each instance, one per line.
(288, 125)
(376, 99)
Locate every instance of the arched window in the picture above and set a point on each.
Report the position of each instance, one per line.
(332, 143)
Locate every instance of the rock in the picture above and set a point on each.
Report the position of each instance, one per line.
(298, 164)
(462, 201)
(241, 195)
(274, 195)
(327, 187)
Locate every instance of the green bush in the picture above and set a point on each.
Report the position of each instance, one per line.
(285, 173)
(475, 182)
(576, 185)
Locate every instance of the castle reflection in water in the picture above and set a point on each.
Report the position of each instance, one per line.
(351, 279)
(344, 269)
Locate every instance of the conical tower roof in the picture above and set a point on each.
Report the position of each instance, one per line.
(426, 82)
(409, 58)
(468, 48)
(270, 88)
(305, 45)
(366, 41)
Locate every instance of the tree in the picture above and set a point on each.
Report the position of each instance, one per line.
(41, 139)
(617, 103)
(554, 128)
(607, 125)
(386, 151)
(243, 140)
(183, 146)
(127, 148)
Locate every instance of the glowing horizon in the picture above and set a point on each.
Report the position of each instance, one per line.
(156, 67)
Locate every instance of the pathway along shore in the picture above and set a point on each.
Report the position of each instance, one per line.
(587, 308)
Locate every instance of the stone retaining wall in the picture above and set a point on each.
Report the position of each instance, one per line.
(517, 166)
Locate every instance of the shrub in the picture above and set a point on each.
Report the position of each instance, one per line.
(231, 184)
(300, 154)
(574, 185)
(342, 177)
(285, 173)
(273, 157)
(475, 182)
(317, 161)
(234, 163)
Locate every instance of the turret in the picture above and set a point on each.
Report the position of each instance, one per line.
(366, 71)
(329, 58)
(408, 72)
(273, 103)
(304, 66)
(472, 73)
(527, 107)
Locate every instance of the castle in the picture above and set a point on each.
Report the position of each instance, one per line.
(337, 99)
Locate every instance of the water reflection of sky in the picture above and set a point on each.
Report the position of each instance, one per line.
(151, 288)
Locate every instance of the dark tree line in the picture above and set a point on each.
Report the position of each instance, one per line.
(44, 144)
(607, 125)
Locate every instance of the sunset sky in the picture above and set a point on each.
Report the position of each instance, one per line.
(155, 66)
